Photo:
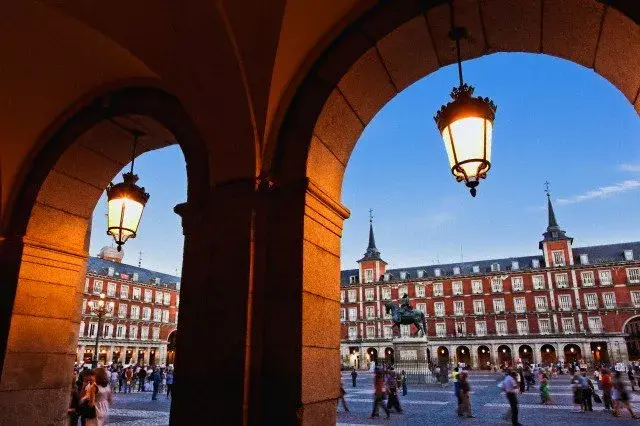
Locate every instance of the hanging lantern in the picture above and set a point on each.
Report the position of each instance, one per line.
(125, 203)
(466, 127)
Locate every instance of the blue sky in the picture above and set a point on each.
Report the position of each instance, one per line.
(556, 121)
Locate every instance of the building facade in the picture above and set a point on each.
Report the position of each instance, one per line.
(143, 314)
(567, 303)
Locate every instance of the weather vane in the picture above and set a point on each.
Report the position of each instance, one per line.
(370, 215)
(546, 188)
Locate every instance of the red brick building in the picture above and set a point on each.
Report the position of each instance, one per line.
(144, 312)
(567, 303)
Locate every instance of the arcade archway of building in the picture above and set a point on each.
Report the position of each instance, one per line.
(284, 229)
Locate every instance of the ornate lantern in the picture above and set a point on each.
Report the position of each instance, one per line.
(125, 203)
(466, 126)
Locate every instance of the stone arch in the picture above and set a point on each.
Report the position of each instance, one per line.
(62, 187)
(631, 330)
(382, 52)
(548, 354)
(484, 357)
(572, 352)
(525, 353)
(463, 354)
(505, 357)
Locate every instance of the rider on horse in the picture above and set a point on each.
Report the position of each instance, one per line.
(405, 304)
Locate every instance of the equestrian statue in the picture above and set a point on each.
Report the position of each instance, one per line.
(405, 314)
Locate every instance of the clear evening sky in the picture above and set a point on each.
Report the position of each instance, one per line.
(556, 121)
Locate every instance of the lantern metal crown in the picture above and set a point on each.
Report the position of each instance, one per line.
(466, 125)
(126, 202)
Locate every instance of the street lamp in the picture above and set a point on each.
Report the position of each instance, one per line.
(466, 125)
(125, 203)
(99, 308)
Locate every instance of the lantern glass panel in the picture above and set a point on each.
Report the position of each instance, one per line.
(124, 217)
(467, 137)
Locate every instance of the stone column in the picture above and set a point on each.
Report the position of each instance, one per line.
(217, 279)
(299, 301)
(81, 350)
(474, 356)
(537, 355)
(109, 354)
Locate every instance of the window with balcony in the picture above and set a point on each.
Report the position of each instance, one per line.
(558, 257)
(157, 314)
(156, 333)
(405, 330)
(609, 300)
(456, 288)
(568, 326)
(564, 301)
(159, 297)
(441, 329)
(353, 333)
(501, 328)
(371, 331)
(84, 305)
(81, 331)
(342, 296)
(368, 275)
(370, 312)
(519, 304)
(523, 326)
(135, 312)
(595, 325)
(386, 293)
(111, 289)
(146, 313)
(541, 303)
(458, 307)
(562, 280)
(478, 307)
(352, 295)
(481, 328)
(591, 300)
(107, 331)
(437, 289)
(496, 285)
(165, 316)
(387, 332)
(122, 310)
(635, 299)
(538, 282)
(369, 294)
(498, 306)
(144, 332)
(588, 279)
(120, 331)
(476, 287)
(353, 314)
(93, 329)
(544, 324)
(136, 293)
(633, 274)
(166, 299)
(517, 284)
(343, 314)
(148, 295)
(438, 308)
(86, 285)
(124, 291)
(422, 307)
(402, 290)
(133, 332)
(461, 329)
(97, 287)
(419, 290)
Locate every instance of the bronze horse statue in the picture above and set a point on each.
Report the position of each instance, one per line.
(403, 316)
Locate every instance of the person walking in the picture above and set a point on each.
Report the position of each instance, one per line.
(521, 382)
(113, 379)
(621, 396)
(169, 381)
(510, 388)
(465, 396)
(577, 392)
(606, 385)
(156, 379)
(392, 390)
(586, 389)
(403, 376)
(342, 394)
(142, 374)
(128, 375)
(545, 394)
(354, 376)
(122, 379)
(378, 395)
(455, 375)
(632, 379)
(100, 397)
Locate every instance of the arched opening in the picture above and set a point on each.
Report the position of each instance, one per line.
(504, 356)
(463, 356)
(572, 353)
(354, 357)
(372, 356)
(171, 348)
(548, 354)
(443, 355)
(484, 357)
(632, 337)
(389, 356)
(525, 353)
(600, 352)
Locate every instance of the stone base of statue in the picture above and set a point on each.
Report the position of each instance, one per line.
(411, 355)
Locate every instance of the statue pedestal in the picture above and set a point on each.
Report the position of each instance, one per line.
(411, 355)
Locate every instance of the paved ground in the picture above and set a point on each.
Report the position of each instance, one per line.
(424, 405)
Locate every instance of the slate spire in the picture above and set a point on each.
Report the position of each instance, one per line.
(372, 252)
(554, 232)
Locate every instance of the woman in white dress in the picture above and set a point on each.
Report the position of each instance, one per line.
(100, 396)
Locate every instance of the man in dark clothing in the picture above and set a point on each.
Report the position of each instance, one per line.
(354, 376)
(156, 379)
(142, 374)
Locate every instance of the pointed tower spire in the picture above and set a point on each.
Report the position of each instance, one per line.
(553, 223)
(554, 232)
(372, 252)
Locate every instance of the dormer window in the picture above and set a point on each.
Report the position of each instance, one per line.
(628, 255)
(495, 267)
(476, 269)
(437, 272)
(456, 270)
(387, 277)
(515, 265)
(420, 273)
(353, 279)
(584, 259)
(535, 263)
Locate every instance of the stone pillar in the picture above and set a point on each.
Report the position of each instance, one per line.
(217, 279)
(81, 350)
(109, 354)
(537, 355)
(586, 351)
(136, 352)
(474, 356)
(299, 299)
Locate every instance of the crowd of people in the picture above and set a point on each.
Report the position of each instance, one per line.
(93, 389)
